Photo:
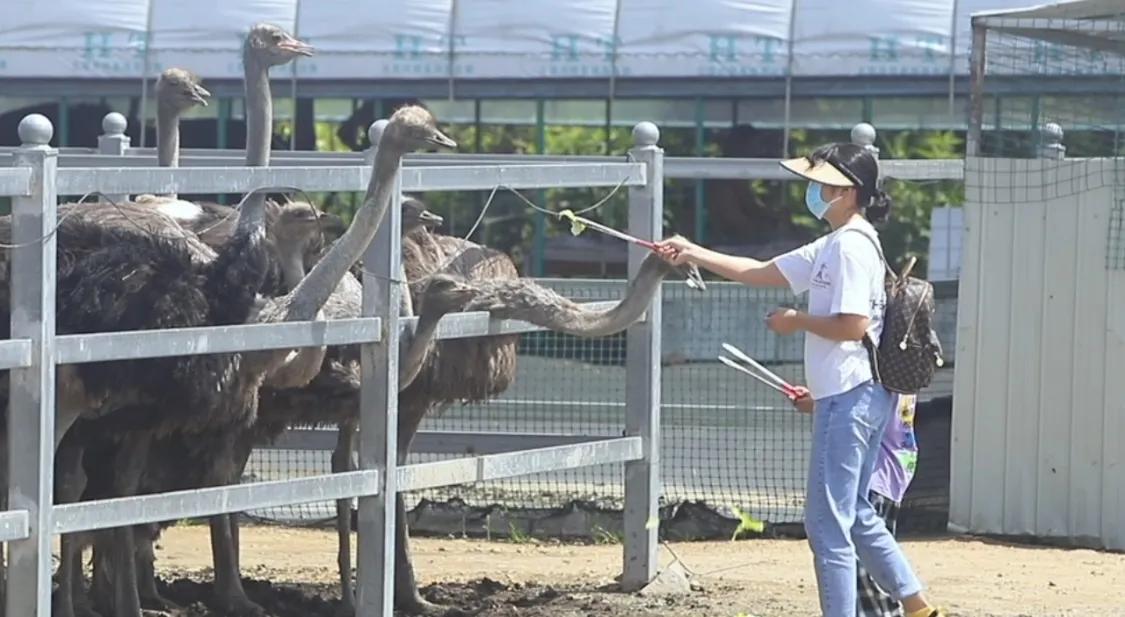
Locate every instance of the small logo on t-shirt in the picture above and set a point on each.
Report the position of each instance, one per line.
(820, 279)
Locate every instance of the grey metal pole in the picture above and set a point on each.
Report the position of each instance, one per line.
(642, 374)
(1050, 143)
(113, 140)
(977, 62)
(378, 417)
(31, 419)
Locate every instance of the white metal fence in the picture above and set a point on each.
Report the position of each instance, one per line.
(35, 181)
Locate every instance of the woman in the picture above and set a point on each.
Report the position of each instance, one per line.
(843, 274)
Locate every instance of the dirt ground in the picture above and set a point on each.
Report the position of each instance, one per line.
(761, 578)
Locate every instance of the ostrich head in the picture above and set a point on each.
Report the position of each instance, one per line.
(181, 89)
(411, 128)
(445, 293)
(298, 224)
(415, 216)
(273, 46)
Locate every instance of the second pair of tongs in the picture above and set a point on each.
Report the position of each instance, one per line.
(751, 367)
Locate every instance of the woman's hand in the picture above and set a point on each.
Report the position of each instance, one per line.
(677, 250)
(803, 402)
(783, 321)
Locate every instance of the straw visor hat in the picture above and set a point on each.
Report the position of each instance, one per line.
(825, 171)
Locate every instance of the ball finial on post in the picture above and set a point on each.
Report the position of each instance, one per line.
(863, 134)
(113, 124)
(646, 134)
(1052, 133)
(375, 131)
(1050, 145)
(35, 130)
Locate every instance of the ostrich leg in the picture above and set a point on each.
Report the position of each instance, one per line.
(342, 462)
(407, 597)
(70, 596)
(229, 594)
(130, 461)
(101, 584)
(146, 571)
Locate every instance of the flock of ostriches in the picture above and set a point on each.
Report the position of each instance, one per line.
(155, 425)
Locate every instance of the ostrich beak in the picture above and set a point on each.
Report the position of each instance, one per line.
(295, 46)
(430, 220)
(438, 138)
(694, 279)
(200, 95)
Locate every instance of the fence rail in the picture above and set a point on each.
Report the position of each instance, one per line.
(680, 168)
(15, 181)
(78, 180)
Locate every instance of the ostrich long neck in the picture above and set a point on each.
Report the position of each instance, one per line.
(413, 352)
(259, 129)
(292, 268)
(314, 289)
(167, 135)
(519, 299)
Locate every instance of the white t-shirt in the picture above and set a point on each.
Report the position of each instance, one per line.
(843, 274)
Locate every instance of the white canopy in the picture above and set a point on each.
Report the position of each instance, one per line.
(480, 39)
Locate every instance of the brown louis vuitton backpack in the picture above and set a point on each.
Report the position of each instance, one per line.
(908, 352)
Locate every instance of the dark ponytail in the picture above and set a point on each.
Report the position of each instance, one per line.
(862, 167)
(879, 209)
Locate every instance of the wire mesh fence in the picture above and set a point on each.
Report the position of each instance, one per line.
(1083, 134)
(728, 441)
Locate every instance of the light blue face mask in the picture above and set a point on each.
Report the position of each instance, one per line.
(814, 200)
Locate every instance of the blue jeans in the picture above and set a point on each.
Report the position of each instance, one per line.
(840, 521)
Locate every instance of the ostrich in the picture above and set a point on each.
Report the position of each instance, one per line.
(435, 376)
(177, 91)
(468, 370)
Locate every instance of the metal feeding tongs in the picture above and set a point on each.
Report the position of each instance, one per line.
(757, 371)
(694, 279)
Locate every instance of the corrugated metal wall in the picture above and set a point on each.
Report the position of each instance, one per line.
(1039, 389)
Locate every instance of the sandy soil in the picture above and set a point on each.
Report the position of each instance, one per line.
(972, 577)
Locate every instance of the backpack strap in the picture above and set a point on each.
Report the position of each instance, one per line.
(868, 343)
(878, 249)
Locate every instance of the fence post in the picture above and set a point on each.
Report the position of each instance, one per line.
(378, 417)
(642, 374)
(113, 140)
(863, 134)
(1050, 142)
(31, 419)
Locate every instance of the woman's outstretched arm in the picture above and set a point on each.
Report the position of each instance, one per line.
(678, 250)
